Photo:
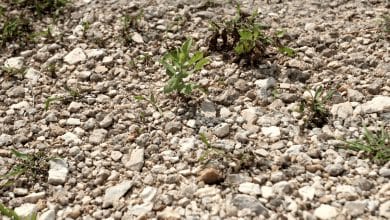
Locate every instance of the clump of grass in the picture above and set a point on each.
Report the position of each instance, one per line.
(14, 29)
(375, 145)
(31, 166)
(314, 108)
(243, 38)
(41, 7)
(179, 65)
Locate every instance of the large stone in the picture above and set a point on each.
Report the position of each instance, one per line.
(378, 104)
(136, 160)
(77, 55)
(26, 211)
(114, 193)
(249, 202)
(355, 208)
(325, 212)
(249, 188)
(14, 63)
(58, 171)
(342, 110)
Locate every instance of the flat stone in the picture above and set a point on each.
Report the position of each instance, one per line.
(32, 75)
(116, 155)
(136, 160)
(272, 132)
(34, 197)
(26, 210)
(334, 169)
(342, 110)
(282, 188)
(249, 115)
(376, 105)
(222, 130)
(74, 107)
(172, 127)
(95, 53)
(208, 109)
(140, 209)
(307, 193)
(267, 192)
(187, 144)
(70, 138)
(136, 37)
(384, 209)
(114, 193)
(97, 136)
(148, 194)
(210, 176)
(242, 201)
(106, 122)
(355, 208)
(385, 172)
(325, 212)
(77, 55)
(265, 83)
(58, 171)
(73, 121)
(14, 63)
(354, 95)
(249, 188)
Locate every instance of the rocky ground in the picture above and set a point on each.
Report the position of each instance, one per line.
(120, 158)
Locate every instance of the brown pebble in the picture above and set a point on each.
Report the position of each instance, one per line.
(210, 176)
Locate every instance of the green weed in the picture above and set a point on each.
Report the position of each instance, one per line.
(41, 7)
(14, 29)
(375, 144)
(211, 152)
(7, 212)
(314, 108)
(31, 166)
(179, 65)
(129, 22)
(151, 100)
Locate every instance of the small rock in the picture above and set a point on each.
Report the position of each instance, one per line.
(14, 63)
(136, 160)
(34, 197)
(354, 95)
(148, 194)
(172, 127)
(141, 209)
(74, 107)
(32, 75)
(325, 212)
(384, 209)
(114, 193)
(5, 140)
(222, 130)
(385, 172)
(376, 105)
(70, 138)
(26, 210)
(48, 215)
(307, 193)
(75, 56)
(282, 188)
(267, 192)
(73, 122)
(346, 192)
(249, 188)
(106, 122)
(242, 201)
(334, 169)
(116, 155)
(137, 38)
(249, 115)
(168, 214)
(342, 110)
(208, 109)
(265, 83)
(242, 137)
(97, 136)
(95, 53)
(187, 144)
(355, 208)
(210, 176)
(20, 191)
(272, 132)
(58, 171)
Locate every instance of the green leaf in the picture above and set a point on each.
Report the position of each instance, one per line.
(287, 51)
(139, 97)
(199, 65)
(197, 56)
(245, 35)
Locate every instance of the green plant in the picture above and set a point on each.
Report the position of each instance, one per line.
(246, 38)
(31, 166)
(13, 72)
(211, 152)
(375, 144)
(151, 100)
(130, 21)
(179, 65)
(41, 6)
(14, 29)
(12, 214)
(314, 108)
(49, 100)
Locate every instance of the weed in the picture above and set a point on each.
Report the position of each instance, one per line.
(86, 26)
(386, 25)
(151, 100)
(14, 29)
(41, 7)
(245, 38)
(32, 166)
(130, 21)
(179, 65)
(211, 152)
(12, 214)
(13, 72)
(314, 108)
(375, 144)
(49, 101)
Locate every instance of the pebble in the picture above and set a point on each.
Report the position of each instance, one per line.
(77, 55)
(14, 63)
(307, 193)
(114, 193)
(249, 202)
(249, 188)
(384, 209)
(26, 210)
(325, 212)
(210, 176)
(136, 37)
(136, 160)
(58, 171)
(106, 122)
(222, 130)
(97, 136)
(173, 127)
(334, 169)
(355, 208)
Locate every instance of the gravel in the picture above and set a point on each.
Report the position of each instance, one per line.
(117, 157)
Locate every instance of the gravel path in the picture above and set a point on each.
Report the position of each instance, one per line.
(120, 158)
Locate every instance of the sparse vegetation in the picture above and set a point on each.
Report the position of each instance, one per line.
(130, 22)
(375, 145)
(243, 38)
(151, 100)
(12, 214)
(179, 65)
(314, 108)
(14, 29)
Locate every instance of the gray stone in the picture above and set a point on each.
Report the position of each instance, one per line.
(73, 122)
(249, 115)
(271, 132)
(137, 38)
(172, 127)
(97, 136)
(48, 215)
(116, 155)
(14, 63)
(106, 122)
(32, 75)
(242, 137)
(77, 55)
(334, 169)
(136, 160)
(5, 140)
(325, 212)
(384, 209)
(16, 92)
(222, 130)
(114, 193)
(355, 208)
(385, 172)
(34, 197)
(70, 138)
(342, 110)
(354, 95)
(282, 188)
(74, 107)
(58, 171)
(249, 188)
(208, 109)
(265, 83)
(187, 144)
(307, 193)
(89, 124)
(95, 53)
(26, 210)
(376, 105)
(242, 201)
